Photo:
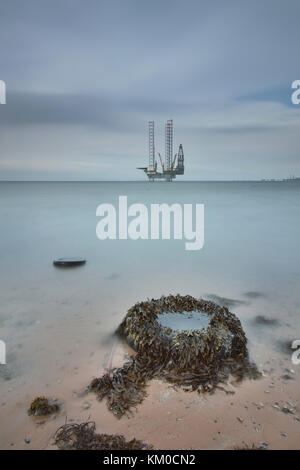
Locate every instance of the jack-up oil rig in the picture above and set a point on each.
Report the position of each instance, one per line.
(169, 171)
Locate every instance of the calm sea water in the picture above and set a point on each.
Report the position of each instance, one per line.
(53, 319)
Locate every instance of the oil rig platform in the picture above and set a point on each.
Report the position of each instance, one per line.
(168, 169)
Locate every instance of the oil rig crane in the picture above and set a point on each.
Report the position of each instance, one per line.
(169, 171)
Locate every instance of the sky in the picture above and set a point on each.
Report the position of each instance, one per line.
(84, 77)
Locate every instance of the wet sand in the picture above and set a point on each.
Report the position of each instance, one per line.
(168, 418)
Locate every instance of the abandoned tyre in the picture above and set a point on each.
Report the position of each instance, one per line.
(191, 343)
(185, 329)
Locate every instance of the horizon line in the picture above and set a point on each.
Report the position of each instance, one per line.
(146, 181)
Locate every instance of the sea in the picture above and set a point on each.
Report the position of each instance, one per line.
(55, 322)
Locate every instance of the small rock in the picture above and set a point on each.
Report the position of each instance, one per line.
(287, 377)
(86, 406)
(241, 420)
(40, 423)
(284, 434)
(263, 446)
(27, 440)
(287, 410)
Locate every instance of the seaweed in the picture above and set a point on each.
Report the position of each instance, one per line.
(41, 406)
(83, 437)
(196, 360)
(263, 446)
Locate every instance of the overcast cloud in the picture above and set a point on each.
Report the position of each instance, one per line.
(84, 77)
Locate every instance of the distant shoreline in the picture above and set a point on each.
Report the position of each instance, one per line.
(284, 180)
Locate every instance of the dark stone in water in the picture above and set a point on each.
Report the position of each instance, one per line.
(66, 262)
(254, 294)
(226, 302)
(261, 320)
(285, 346)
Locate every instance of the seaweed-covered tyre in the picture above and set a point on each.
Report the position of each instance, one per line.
(221, 339)
(196, 359)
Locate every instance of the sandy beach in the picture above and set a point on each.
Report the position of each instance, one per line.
(168, 418)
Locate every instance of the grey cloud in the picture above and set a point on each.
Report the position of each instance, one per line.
(38, 108)
(88, 75)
